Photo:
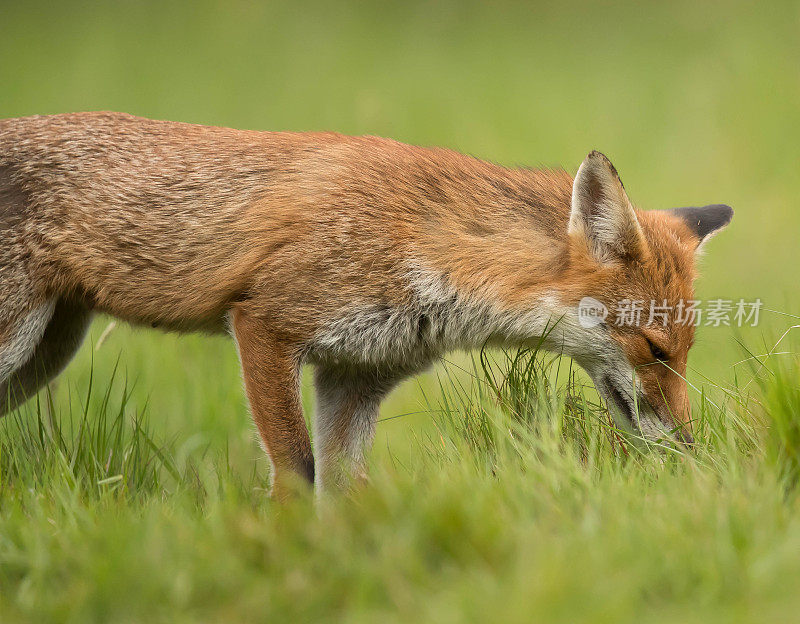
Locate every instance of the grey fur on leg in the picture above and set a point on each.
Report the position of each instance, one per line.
(52, 350)
(344, 426)
(21, 336)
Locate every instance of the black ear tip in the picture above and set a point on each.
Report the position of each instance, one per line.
(722, 211)
(706, 220)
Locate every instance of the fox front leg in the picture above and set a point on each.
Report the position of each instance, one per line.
(271, 377)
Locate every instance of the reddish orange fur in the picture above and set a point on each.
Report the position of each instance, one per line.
(178, 225)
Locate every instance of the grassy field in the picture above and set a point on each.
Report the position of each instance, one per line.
(135, 490)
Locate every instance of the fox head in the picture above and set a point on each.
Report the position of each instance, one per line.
(636, 269)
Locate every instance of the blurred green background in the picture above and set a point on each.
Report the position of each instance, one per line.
(694, 102)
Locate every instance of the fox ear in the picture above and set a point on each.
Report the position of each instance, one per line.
(601, 212)
(705, 221)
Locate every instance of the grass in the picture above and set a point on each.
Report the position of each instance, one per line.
(135, 491)
(523, 502)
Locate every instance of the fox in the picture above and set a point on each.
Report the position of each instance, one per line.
(366, 258)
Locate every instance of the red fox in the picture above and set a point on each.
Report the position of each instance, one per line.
(363, 256)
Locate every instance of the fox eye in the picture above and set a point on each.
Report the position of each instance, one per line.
(657, 352)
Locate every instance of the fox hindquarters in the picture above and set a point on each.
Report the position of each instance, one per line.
(365, 257)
